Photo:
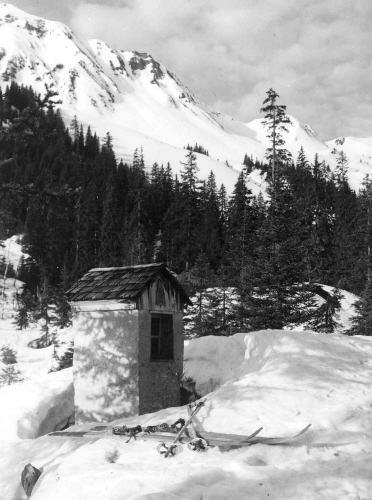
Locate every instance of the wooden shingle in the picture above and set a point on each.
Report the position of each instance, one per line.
(120, 283)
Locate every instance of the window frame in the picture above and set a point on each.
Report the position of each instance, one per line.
(161, 335)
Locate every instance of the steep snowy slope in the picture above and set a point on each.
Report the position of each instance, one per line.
(140, 102)
(129, 94)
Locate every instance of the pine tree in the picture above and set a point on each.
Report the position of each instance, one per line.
(242, 224)
(324, 318)
(275, 292)
(8, 355)
(43, 311)
(108, 155)
(276, 122)
(274, 289)
(212, 230)
(188, 226)
(189, 173)
(67, 358)
(62, 310)
(320, 206)
(223, 203)
(361, 271)
(10, 375)
(223, 301)
(111, 244)
(346, 248)
(248, 164)
(362, 321)
(341, 169)
(26, 305)
(197, 282)
(88, 230)
(172, 242)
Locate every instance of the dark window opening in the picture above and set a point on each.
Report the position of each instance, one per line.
(160, 294)
(161, 337)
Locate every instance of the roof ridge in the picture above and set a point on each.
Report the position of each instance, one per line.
(154, 264)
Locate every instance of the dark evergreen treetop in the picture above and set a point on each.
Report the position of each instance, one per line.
(276, 122)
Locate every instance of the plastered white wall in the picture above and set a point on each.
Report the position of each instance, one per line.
(106, 372)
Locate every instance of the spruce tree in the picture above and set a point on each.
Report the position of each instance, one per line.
(362, 321)
(88, 230)
(8, 355)
(345, 240)
(321, 242)
(324, 318)
(275, 292)
(26, 305)
(10, 375)
(62, 310)
(211, 234)
(361, 271)
(341, 169)
(188, 229)
(67, 358)
(242, 224)
(276, 122)
(43, 311)
(111, 244)
(199, 282)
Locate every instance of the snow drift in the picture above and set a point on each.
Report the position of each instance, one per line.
(282, 380)
(34, 408)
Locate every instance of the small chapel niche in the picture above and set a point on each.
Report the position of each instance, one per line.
(128, 341)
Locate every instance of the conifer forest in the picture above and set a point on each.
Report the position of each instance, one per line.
(78, 207)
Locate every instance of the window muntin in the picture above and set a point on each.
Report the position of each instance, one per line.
(161, 337)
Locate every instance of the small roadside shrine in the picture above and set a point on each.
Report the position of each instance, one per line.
(128, 347)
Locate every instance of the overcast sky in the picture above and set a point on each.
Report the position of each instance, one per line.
(316, 54)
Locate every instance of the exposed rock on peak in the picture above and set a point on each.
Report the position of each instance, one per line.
(141, 102)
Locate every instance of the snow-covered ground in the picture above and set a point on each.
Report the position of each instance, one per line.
(280, 380)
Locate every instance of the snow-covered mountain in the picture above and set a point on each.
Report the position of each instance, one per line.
(140, 102)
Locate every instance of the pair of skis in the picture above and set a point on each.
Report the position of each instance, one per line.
(181, 432)
(195, 441)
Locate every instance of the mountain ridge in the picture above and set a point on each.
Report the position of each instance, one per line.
(142, 103)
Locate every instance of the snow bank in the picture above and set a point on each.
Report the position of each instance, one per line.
(34, 408)
(282, 380)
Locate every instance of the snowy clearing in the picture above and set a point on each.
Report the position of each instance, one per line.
(276, 379)
(280, 380)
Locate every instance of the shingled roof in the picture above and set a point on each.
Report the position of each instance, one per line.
(120, 283)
